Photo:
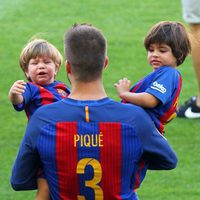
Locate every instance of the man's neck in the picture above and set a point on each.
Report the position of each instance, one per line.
(88, 91)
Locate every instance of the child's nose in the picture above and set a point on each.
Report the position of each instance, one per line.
(155, 53)
(40, 65)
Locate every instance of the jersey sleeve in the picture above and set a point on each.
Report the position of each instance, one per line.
(27, 163)
(157, 152)
(164, 84)
(26, 98)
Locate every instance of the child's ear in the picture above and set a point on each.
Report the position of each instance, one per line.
(57, 68)
(26, 74)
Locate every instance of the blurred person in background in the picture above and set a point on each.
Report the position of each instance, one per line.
(191, 14)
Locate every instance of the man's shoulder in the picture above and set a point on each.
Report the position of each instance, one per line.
(131, 106)
(51, 106)
(49, 111)
(117, 109)
(132, 110)
(46, 115)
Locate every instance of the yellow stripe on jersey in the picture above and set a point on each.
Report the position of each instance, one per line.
(87, 118)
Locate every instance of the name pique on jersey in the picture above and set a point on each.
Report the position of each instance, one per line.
(88, 140)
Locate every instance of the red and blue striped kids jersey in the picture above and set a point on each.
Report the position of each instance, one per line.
(165, 84)
(37, 95)
(89, 149)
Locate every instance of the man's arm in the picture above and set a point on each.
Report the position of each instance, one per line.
(24, 172)
(157, 152)
(159, 155)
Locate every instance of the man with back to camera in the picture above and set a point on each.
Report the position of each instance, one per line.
(89, 146)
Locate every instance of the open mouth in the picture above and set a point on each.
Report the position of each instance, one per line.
(41, 73)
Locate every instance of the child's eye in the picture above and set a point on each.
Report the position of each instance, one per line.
(150, 50)
(33, 63)
(163, 50)
(47, 61)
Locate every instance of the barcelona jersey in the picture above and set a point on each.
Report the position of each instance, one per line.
(89, 149)
(37, 95)
(165, 84)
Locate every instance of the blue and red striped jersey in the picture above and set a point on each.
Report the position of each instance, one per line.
(89, 149)
(165, 84)
(37, 95)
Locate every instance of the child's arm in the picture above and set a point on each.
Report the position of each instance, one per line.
(15, 93)
(43, 190)
(141, 99)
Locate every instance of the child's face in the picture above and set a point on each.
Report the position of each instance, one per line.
(41, 70)
(160, 55)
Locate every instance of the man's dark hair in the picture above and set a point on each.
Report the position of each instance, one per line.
(85, 50)
(174, 35)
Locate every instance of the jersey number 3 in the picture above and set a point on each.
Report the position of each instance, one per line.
(93, 183)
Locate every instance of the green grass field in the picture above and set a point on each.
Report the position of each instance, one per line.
(125, 24)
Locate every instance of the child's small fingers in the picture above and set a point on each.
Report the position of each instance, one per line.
(19, 91)
(22, 82)
(19, 81)
(22, 87)
(128, 81)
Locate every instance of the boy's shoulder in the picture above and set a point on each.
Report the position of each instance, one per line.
(55, 84)
(167, 71)
(33, 85)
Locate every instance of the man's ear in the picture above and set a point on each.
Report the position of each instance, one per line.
(68, 67)
(105, 62)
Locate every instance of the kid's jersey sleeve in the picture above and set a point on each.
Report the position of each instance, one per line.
(36, 96)
(27, 95)
(164, 83)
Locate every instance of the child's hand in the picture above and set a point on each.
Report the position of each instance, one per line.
(15, 92)
(123, 86)
(18, 87)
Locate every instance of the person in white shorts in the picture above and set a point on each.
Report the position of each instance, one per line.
(191, 14)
